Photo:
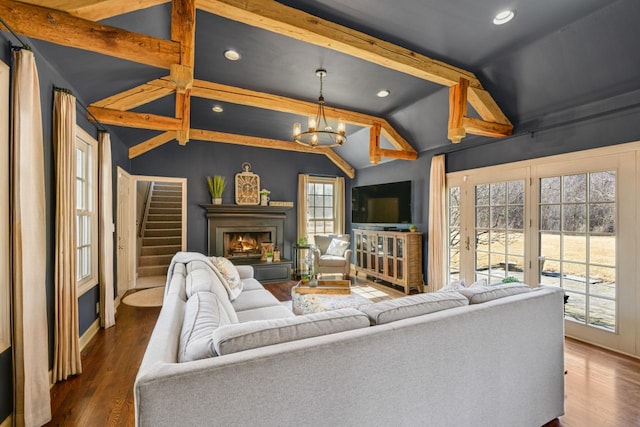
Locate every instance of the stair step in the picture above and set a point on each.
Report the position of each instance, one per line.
(164, 217)
(165, 211)
(161, 241)
(172, 199)
(173, 205)
(167, 192)
(160, 250)
(155, 260)
(153, 271)
(163, 232)
(163, 224)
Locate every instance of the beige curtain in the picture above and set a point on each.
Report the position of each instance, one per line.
(66, 348)
(107, 312)
(339, 206)
(437, 229)
(32, 403)
(303, 180)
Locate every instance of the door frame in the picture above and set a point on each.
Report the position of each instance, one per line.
(183, 212)
(124, 262)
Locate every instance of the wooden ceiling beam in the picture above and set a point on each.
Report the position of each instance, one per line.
(151, 143)
(134, 120)
(61, 28)
(97, 10)
(281, 19)
(374, 144)
(137, 96)
(183, 31)
(252, 141)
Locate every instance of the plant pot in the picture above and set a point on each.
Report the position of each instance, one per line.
(216, 200)
(269, 259)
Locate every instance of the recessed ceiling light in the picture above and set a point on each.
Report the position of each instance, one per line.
(217, 109)
(504, 17)
(231, 55)
(383, 93)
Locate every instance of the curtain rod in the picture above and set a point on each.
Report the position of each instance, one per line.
(97, 122)
(24, 45)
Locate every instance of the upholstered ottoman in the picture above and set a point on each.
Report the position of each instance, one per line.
(316, 303)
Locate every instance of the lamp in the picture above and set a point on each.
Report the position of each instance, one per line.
(318, 132)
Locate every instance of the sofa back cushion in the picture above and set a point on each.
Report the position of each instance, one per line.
(480, 294)
(203, 314)
(203, 280)
(176, 284)
(237, 337)
(412, 306)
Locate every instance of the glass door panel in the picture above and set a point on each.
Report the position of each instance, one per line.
(453, 203)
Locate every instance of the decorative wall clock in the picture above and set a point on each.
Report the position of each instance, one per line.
(247, 186)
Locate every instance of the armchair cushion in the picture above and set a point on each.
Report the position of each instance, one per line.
(323, 242)
(337, 247)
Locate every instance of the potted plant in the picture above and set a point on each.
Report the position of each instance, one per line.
(412, 228)
(269, 256)
(216, 184)
(264, 197)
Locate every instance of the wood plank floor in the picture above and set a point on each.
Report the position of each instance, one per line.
(602, 387)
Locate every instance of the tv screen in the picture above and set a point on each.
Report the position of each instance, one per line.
(382, 203)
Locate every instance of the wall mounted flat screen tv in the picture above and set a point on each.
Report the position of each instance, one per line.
(382, 203)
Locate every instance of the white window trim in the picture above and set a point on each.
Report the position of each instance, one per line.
(625, 159)
(91, 281)
(326, 180)
(5, 243)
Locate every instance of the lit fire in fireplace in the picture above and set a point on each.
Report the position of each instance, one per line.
(245, 244)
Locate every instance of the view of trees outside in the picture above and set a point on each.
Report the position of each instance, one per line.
(320, 219)
(577, 226)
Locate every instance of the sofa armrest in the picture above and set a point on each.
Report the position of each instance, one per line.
(245, 271)
(316, 258)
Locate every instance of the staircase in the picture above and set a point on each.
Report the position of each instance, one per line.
(161, 231)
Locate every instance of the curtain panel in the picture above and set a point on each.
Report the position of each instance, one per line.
(32, 402)
(303, 181)
(437, 227)
(66, 356)
(107, 311)
(339, 206)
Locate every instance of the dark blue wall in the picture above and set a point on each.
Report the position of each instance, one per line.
(278, 171)
(48, 78)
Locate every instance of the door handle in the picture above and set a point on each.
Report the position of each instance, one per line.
(467, 244)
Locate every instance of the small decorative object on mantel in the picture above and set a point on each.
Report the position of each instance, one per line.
(247, 186)
(412, 228)
(267, 248)
(276, 255)
(264, 197)
(279, 203)
(216, 184)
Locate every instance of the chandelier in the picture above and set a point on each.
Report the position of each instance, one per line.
(318, 132)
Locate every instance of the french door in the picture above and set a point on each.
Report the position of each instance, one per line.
(569, 221)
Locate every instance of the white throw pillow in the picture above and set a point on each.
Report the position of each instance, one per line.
(228, 273)
(453, 286)
(337, 247)
(479, 283)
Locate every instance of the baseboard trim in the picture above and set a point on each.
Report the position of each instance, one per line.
(8, 422)
(89, 333)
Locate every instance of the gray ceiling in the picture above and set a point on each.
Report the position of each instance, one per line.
(554, 55)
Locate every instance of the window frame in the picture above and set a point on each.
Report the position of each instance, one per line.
(5, 213)
(90, 146)
(312, 180)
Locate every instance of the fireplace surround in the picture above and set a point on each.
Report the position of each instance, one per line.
(237, 232)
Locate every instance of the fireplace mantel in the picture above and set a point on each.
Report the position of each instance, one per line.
(246, 209)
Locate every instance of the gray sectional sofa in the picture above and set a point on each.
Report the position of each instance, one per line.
(483, 357)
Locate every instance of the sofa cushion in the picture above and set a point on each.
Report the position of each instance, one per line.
(251, 285)
(411, 306)
(229, 339)
(203, 280)
(203, 314)
(332, 260)
(480, 294)
(229, 275)
(337, 247)
(265, 313)
(176, 284)
(258, 298)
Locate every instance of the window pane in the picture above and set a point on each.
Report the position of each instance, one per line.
(515, 220)
(498, 242)
(327, 201)
(602, 250)
(574, 218)
(575, 308)
(550, 273)
(482, 217)
(328, 213)
(328, 189)
(454, 196)
(550, 218)
(498, 194)
(574, 277)
(499, 217)
(318, 200)
(515, 267)
(515, 242)
(550, 190)
(515, 193)
(318, 189)
(574, 188)
(602, 313)
(602, 281)
(602, 186)
(550, 245)
(454, 217)
(602, 218)
(574, 248)
(482, 195)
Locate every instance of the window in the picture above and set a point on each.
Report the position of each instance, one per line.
(323, 214)
(556, 221)
(5, 277)
(86, 211)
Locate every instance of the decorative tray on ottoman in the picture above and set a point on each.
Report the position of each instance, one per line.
(324, 287)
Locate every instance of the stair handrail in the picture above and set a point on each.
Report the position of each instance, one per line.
(147, 203)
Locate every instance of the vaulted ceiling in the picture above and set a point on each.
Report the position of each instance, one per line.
(555, 55)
